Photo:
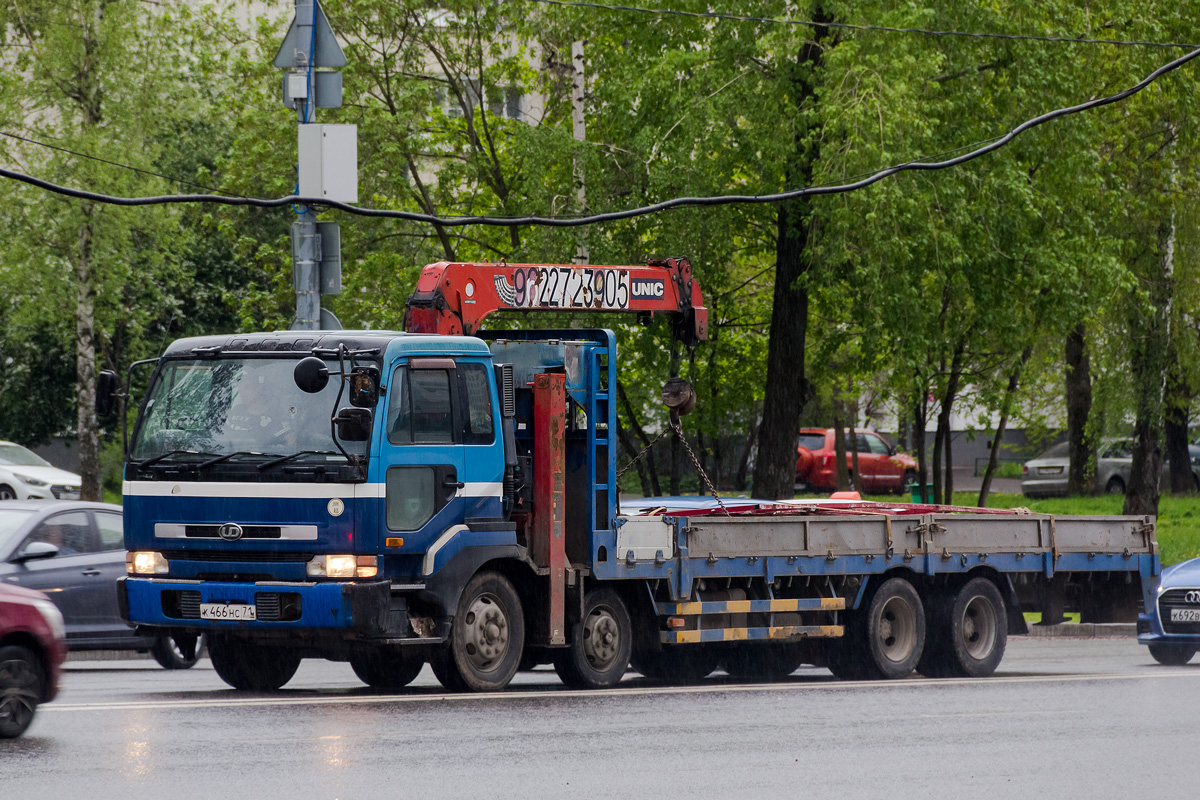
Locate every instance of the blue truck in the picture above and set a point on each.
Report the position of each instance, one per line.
(449, 496)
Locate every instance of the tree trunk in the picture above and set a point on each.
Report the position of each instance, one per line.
(839, 448)
(1014, 380)
(1149, 340)
(1175, 429)
(855, 477)
(1081, 473)
(651, 469)
(920, 420)
(944, 493)
(85, 360)
(743, 469)
(786, 388)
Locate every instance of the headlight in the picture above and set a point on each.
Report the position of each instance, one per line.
(54, 618)
(144, 562)
(29, 480)
(343, 567)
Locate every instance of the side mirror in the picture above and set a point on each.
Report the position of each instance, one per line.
(353, 424)
(35, 551)
(311, 375)
(364, 387)
(107, 387)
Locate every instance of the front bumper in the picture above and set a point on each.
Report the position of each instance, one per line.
(356, 609)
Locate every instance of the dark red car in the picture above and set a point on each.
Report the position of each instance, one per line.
(880, 466)
(32, 649)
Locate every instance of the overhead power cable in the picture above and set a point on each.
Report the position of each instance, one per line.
(612, 216)
(115, 163)
(872, 28)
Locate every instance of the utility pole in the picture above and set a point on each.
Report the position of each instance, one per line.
(327, 164)
(578, 90)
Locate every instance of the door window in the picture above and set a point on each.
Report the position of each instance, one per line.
(411, 497)
(478, 428)
(878, 446)
(111, 529)
(420, 410)
(70, 533)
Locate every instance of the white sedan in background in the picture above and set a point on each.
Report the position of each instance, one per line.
(27, 476)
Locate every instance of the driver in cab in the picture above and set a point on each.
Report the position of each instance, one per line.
(269, 426)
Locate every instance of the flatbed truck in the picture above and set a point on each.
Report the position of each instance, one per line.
(449, 496)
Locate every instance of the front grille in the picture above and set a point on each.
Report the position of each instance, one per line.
(238, 556)
(59, 491)
(269, 606)
(248, 531)
(1175, 598)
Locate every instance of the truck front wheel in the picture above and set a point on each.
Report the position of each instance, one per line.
(486, 639)
(384, 668)
(597, 652)
(251, 667)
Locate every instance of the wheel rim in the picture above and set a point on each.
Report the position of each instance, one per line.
(7, 494)
(897, 631)
(485, 633)
(979, 627)
(18, 692)
(601, 639)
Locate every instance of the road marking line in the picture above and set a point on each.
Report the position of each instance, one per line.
(515, 693)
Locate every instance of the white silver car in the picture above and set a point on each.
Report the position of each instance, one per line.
(27, 476)
(1046, 475)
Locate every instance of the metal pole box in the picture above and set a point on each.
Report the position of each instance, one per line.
(329, 162)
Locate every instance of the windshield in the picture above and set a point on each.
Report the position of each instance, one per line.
(226, 406)
(13, 455)
(812, 441)
(11, 519)
(1060, 450)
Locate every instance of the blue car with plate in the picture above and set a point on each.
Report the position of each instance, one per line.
(1171, 627)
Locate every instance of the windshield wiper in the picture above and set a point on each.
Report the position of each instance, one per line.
(163, 456)
(275, 461)
(228, 456)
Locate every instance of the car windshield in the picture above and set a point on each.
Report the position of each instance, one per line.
(212, 407)
(812, 441)
(1060, 450)
(11, 520)
(13, 455)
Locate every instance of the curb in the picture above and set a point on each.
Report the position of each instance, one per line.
(1083, 630)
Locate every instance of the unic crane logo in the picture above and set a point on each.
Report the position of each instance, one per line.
(230, 531)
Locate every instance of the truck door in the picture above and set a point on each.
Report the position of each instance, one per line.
(422, 453)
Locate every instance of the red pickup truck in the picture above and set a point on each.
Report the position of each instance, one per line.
(880, 466)
(32, 649)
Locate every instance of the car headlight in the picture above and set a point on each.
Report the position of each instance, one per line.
(343, 567)
(54, 618)
(146, 562)
(28, 480)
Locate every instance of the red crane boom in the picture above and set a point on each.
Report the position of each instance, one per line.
(455, 297)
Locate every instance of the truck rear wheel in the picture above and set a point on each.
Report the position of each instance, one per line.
(386, 668)
(689, 663)
(771, 661)
(252, 667)
(486, 639)
(597, 653)
(887, 640)
(1172, 655)
(968, 631)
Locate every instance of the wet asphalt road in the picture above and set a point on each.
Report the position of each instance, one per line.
(1062, 719)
